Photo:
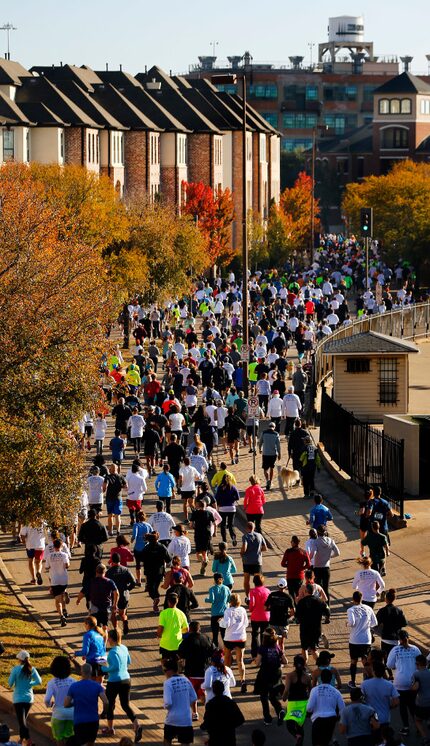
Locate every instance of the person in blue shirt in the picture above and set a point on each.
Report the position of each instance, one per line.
(319, 514)
(84, 697)
(117, 447)
(378, 509)
(22, 679)
(118, 684)
(93, 645)
(165, 485)
(224, 564)
(218, 597)
(140, 529)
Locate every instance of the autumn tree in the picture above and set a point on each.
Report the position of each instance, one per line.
(401, 215)
(168, 246)
(257, 239)
(54, 300)
(213, 213)
(289, 222)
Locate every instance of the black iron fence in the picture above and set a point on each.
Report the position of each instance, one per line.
(368, 455)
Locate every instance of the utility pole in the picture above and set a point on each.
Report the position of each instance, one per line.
(8, 27)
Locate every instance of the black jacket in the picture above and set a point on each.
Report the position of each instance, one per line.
(93, 532)
(222, 717)
(391, 619)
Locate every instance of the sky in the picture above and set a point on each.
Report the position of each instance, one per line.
(173, 33)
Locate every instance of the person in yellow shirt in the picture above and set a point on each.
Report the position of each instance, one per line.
(133, 378)
(218, 477)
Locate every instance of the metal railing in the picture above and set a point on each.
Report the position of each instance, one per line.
(369, 456)
(405, 323)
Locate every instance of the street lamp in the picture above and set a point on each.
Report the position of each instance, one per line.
(231, 79)
(315, 130)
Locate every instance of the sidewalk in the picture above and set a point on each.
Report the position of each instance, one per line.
(285, 515)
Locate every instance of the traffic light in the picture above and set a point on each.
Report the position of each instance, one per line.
(366, 221)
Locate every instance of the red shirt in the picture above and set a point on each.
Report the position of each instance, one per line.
(152, 388)
(124, 553)
(296, 561)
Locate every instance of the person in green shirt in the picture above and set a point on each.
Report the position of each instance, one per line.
(172, 624)
(252, 374)
(238, 342)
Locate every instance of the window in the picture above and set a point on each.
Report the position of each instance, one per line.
(311, 93)
(357, 365)
(368, 91)
(290, 145)
(342, 166)
(425, 106)
(62, 144)
(299, 121)
(350, 93)
(218, 151)
(8, 145)
(261, 90)
(337, 122)
(388, 380)
(27, 146)
(340, 92)
(263, 149)
(227, 87)
(182, 150)
(395, 106)
(271, 117)
(395, 137)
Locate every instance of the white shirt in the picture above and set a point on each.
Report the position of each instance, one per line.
(360, 619)
(180, 546)
(212, 674)
(402, 661)
(178, 695)
(365, 581)
(100, 427)
(291, 405)
(327, 288)
(57, 690)
(324, 702)
(275, 407)
(163, 523)
(136, 484)
(293, 323)
(332, 319)
(210, 411)
(176, 421)
(57, 564)
(235, 622)
(221, 414)
(137, 423)
(34, 537)
(95, 489)
(189, 475)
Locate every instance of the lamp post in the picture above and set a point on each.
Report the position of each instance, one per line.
(230, 78)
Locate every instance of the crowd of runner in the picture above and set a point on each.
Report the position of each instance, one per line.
(180, 413)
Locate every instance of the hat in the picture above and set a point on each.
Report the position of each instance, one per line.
(272, 425)
(282, 583)
(324, 656)
(23, 655)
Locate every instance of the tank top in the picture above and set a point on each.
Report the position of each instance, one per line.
(299, 690)
(333, 677)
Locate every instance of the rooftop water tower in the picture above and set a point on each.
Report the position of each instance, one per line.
(345, 33)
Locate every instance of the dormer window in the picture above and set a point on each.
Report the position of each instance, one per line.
(395, 106)
(384, 106)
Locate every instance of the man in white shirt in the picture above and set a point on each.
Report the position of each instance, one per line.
(360, 620)
(327, 288)
(57, 563)
(95, 489)
(162, 522)
(188, 476)
(291, 408)
(402, 661)
(324, 706)
(274, 410)
(332, 320)
(34, 539)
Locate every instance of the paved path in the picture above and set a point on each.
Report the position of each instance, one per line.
(408, 570)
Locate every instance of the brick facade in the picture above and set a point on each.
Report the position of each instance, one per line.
(169, 184)
(74, 141)
(237, 187)
(256, 173)
(135, 164)
(200, 158)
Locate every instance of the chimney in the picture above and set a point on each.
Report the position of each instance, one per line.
(296, 62)
(406, 63)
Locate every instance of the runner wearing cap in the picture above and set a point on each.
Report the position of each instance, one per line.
(281, 608)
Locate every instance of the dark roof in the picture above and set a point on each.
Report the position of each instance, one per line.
(368, 342)
(40, 90)
(11, 113)
(171, 98)
(404, 83)
(88, 103)
(40, 113)
(12, 72)
(122, 108)
(357, 141)
(149, 107)
(84, 76)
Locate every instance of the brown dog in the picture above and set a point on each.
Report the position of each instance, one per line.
(290, 477)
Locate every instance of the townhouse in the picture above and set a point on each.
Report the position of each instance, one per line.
(149, 133)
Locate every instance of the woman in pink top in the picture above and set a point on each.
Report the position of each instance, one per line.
(259, 616)
(254, 502)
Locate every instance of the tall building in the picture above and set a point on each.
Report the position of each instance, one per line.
(335, 92)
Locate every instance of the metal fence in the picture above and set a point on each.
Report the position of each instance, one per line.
(368, 455)
(406, 323)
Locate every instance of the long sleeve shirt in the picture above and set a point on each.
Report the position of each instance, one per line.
(22, 685)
